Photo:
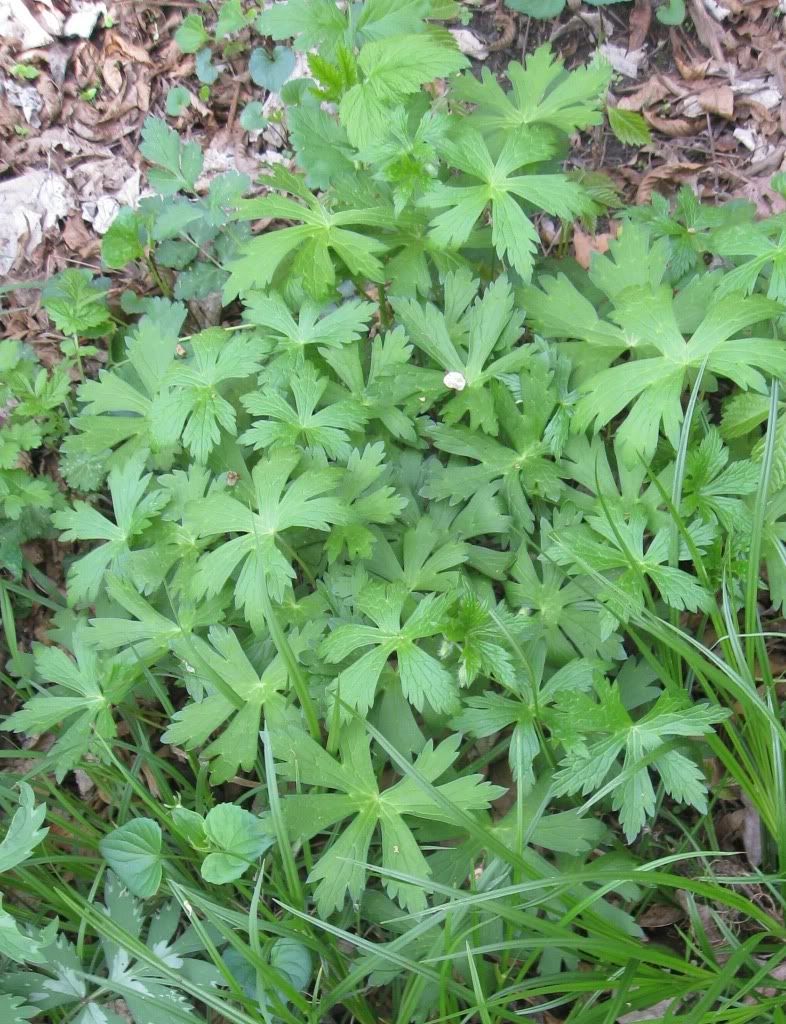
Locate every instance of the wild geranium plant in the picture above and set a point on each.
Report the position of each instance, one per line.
(420, 613)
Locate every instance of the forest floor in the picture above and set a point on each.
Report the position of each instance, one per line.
(77, 80)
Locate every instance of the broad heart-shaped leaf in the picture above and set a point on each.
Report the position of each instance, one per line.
(24, 831)
(133, 851)
(271, 70)
(237, 837)
(293, 960)
(340, 870)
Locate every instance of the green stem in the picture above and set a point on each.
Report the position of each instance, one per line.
(296, 674)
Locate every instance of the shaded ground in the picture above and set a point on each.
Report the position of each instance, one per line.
(77, 81)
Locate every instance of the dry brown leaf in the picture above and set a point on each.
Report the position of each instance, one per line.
(660, 915)
(115, 43)
(718, 100)
(653, 91)
(655, 1012)
(678, 173)
(708, 30)
(76, 235)
(674, 127)
(112, 75)
(690, 66)
(639, 23)
(714, 935)
(584, 245)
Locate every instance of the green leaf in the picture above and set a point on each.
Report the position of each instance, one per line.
(393, 69)
(293, 960)
(629, 127)
(77, 303)
(122, 242)
(13, 1009)
(177, 99)
(541, 9)
(191, 35)
(270, 71)
(542, 95)
(423, 678)
(133, 852)
(239, 839)
(671, 12)
(207, 73)
(380, 19)
(18, 946)
(177, 164)
(281, 504)
(252, 118)
(24, 832)
(231, 18)
(316, 24)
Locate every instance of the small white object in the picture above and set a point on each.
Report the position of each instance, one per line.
(625, 62)
(469, 44)
(83, 20)
(455, 380)
(718, 11)
(746, 137)
(100, 213)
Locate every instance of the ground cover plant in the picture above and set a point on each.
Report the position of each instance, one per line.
(414, 647)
